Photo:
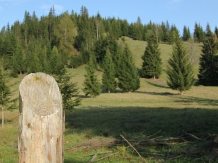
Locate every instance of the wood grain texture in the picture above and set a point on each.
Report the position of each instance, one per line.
(40, 120)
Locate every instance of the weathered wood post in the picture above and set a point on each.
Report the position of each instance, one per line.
(40, 120)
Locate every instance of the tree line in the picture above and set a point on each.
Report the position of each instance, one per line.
(76, 36)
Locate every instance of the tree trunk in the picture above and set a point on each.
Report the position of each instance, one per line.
(40, 120)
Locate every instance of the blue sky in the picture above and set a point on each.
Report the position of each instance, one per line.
(178, 12)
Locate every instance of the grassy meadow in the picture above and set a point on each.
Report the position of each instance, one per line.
(153, 124)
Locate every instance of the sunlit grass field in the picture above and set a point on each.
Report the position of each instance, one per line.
(153, 124)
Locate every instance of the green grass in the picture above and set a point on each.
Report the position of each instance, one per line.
(152, 113)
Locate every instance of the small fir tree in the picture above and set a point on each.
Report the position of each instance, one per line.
(151, 66)
(18, 61)
(208, 69)
(179, 70)
(91, 84)
(69, 91)
(56, 61)
(108, 77)
(186, 34)
(6, 102)
(128, 78)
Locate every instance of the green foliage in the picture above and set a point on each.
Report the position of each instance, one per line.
(91, 84)
(66, 32)
(108, 77)
(186, 34)
(128, 78)
(180, 71)
(198, 33)
(138, 30)
(116, 57)
(208, 70)
(6, 101)
(56, 61)
(18, 61)
(69, 91)
(76, 61)
(173, 35)
(151, 66)
(165, 32)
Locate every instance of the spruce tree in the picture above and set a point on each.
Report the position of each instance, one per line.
(151, 66)
(91, 84)
(18, 61)
(180, 70)
(128, 78)
(198, 33)
(208, 70)
(6, 102)
(186, 34)
(117, 58)
(55, 61)
(68, 90)
(108, 77)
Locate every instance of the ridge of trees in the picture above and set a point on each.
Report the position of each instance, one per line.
(50, 42)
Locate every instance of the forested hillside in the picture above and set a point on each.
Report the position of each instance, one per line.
(70, 38)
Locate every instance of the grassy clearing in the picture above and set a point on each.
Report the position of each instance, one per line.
(161, 125)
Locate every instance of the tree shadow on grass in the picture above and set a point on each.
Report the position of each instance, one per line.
(159, 83)
(200, 101)
(6, 121)
(132, 122)
(157, 93)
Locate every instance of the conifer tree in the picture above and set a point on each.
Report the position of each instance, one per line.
(55, 61)
(117, 58)
(198, 33)
(186, 34)
(151, 66)
(108, 77)
(128, 78)
(208, 70)
(173, 35)
(6, 102)
(18, 61)
(179, 70)
(91, 84)
(68, 90)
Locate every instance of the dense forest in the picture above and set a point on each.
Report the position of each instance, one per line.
(50, 42)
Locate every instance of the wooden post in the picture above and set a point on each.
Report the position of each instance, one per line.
(40, 137)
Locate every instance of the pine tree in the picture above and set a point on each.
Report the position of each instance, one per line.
(208, 70)
(128, 78)
(198, 33)
(186, 34)
(6, 102)
(91, 84)
(18, 61)
(55, 61)
(151, 66)
(68, 90)
(179, 70)
(173, 35)
(116, 57)
(108, 77)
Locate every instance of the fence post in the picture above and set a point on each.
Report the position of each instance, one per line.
(40, 138)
